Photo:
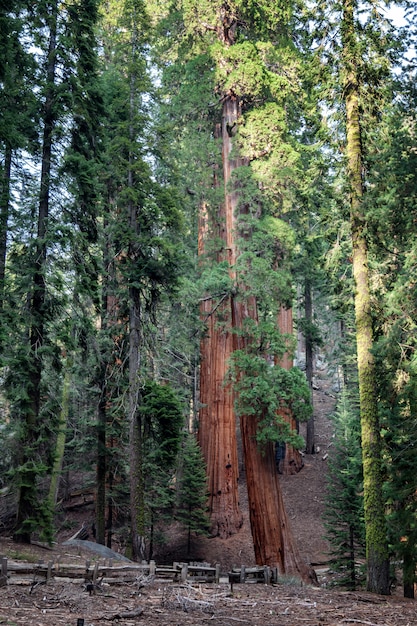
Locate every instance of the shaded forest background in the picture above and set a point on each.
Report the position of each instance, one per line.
(200, 200)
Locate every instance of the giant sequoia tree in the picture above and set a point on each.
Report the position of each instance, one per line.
(245, 245)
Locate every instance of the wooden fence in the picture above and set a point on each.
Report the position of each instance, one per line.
(92, 575)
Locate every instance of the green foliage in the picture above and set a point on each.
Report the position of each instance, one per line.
(395, 356)
(191, 508)
(269, 392)
(239, 70)
(310, 331)
(163, 421)
(263, 267)
(391, 215)
(344, 517)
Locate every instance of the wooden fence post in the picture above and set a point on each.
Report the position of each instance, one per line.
(217, 578)
(184, 572)
(95, 574)
(3, 575)
(49, 571)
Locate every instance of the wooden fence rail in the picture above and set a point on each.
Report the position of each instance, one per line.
(92, 574)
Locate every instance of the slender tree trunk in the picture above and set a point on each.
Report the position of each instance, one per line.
(352, 557)
(61, 435)
(110, 507)
(137, 484)
(4, 218)
(137, 505)
(308, 312)
(409, 571)
(27, 501)
(109, 319)
(375, 525)
(101, 470)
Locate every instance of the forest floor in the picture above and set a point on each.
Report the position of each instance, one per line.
(163, 603)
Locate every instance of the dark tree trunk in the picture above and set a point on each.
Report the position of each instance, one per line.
(409, 573)
(101, 470)
(137, 496)
(308, 312)
(27, 501)
(4, 218)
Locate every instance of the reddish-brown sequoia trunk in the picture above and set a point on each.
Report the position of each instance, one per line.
(217, 424)
(272, 538)
(293, 461)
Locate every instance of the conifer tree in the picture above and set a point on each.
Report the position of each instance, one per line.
(36, 372)
(343, 517)
(29, 469)
(392, 201)
(81, 168)
(376, 539)
(163, 422)
(191, 508)
(362, 59)
(142, 224)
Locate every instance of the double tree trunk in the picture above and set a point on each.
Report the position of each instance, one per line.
(272, 538)
(375, 525)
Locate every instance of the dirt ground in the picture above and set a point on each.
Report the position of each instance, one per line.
(163, 603)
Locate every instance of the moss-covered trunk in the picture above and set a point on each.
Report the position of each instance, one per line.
(375, 525)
